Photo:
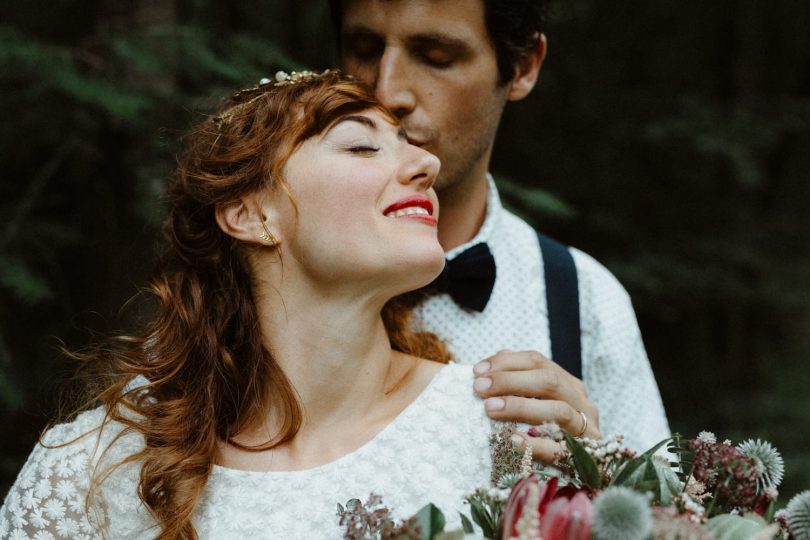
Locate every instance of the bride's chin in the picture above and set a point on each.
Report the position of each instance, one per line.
(418, 279)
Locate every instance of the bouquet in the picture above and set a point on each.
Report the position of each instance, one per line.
(600, 490)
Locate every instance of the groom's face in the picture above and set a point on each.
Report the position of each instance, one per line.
(432, 63)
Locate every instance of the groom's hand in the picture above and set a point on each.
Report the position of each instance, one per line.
(529, 388)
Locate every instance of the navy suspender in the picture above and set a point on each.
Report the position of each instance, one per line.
(562, 295)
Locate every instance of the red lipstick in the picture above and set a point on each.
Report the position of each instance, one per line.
(411, 201)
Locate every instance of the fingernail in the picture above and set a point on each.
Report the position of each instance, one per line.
(481, 367)
(494, 404)
(517, 440)
(482, 384)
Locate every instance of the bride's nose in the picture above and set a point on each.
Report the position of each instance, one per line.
(419, 166)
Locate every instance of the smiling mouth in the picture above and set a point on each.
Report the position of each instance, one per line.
(416, 207)
(413, 205)
(410, 211)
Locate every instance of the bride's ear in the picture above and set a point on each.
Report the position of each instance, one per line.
(248, 220)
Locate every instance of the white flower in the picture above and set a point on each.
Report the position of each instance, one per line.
(693, 506)
(18, 517)
(26, 481)
(54, 508)
(499, 494)
(45, 472)
(769, 463)
(67, 527)
(37, 519)
(798, 516)
(64, 489)
(43, 535)
(29, 500)
(64, 469)
(707, 437)
(18, 534)
(76, 504)
(42, 489)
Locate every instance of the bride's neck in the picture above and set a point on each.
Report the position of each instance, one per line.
(336, 354)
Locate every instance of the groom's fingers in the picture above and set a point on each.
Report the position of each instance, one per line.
(545, 450)
(537, 411)
(528, 374)
(508, 360)
(546, 383)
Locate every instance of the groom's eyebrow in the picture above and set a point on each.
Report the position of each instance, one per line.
(435, 39)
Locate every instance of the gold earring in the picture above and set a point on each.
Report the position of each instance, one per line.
(267, 236)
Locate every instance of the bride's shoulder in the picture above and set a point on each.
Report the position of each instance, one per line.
(92, 434)
(65, 432)
(58, 474)
(457, 376)
(452, 391)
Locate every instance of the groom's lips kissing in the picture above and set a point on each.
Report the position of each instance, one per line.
(416, 207)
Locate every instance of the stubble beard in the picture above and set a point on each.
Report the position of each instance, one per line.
(461, 165)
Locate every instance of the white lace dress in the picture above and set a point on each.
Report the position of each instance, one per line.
(436, 451)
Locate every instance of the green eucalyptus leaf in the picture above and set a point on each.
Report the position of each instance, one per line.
(466, 524)
(430, 521)
(626, 471)
(483, 519)
(654, 476)
(584, 463)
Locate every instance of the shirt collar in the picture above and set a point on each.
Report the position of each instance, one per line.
(491, 220)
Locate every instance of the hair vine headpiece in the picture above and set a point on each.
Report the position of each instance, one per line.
(281, 78)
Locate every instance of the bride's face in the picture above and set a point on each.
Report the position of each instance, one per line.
(367, 211)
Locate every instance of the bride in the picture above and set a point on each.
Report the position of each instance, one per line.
(281, 375)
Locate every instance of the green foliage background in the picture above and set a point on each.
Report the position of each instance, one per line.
(669, 139)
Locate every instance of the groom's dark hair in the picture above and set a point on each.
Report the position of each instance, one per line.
(514, 26)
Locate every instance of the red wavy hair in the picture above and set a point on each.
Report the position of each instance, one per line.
(208, 374)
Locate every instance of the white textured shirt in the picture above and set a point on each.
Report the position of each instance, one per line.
(615, 367)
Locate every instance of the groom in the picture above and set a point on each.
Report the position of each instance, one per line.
(447, 68)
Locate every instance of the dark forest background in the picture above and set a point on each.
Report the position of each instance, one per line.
(670, 139)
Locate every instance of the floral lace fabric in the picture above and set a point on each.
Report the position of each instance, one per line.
(436, 451)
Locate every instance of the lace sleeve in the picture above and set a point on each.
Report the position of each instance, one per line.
(48, 499)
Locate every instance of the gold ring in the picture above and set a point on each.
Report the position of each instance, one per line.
(584, 425)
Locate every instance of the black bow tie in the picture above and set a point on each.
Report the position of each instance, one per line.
(468, 278)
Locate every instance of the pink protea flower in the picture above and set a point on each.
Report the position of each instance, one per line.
(538, 510)
(567, 519)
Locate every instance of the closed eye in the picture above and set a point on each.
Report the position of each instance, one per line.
(363, 149)
(435, 58)
(362, 45)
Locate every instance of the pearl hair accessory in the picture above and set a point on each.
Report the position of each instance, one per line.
(281, 78)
